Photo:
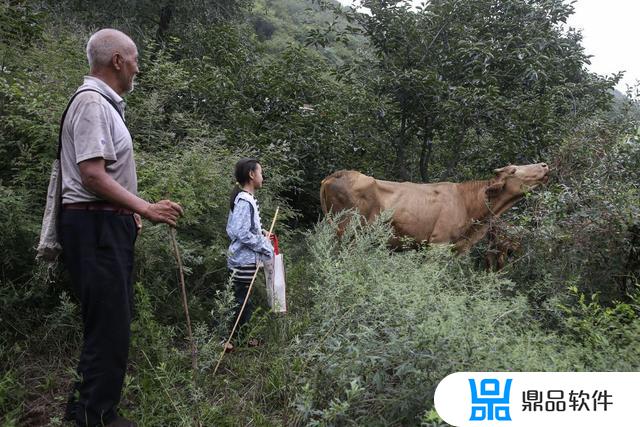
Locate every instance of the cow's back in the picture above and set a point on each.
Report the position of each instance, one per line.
(344, 190)
(424, 212)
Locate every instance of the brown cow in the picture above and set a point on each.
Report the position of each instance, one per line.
(443, 212)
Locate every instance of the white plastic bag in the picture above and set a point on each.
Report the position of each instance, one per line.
(276, 287)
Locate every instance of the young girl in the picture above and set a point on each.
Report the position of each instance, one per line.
(249, 243)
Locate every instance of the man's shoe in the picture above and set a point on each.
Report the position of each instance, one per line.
(69, 413)
(122, 422)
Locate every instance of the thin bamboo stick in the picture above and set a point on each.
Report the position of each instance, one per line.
(194, 351)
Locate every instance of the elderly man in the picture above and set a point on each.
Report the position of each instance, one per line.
(99, 223)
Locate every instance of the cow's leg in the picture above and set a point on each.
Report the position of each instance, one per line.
(343, 224)
(470, 238)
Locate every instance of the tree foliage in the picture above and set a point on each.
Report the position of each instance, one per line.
(466, 81)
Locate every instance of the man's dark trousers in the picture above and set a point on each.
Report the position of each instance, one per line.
(98, 248)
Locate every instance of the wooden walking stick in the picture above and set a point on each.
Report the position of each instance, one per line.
(273, 223)
(194, 351)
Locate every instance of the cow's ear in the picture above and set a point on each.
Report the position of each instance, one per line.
(497, 183)
(507, 170)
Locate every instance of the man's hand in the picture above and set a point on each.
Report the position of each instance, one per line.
(138, 221)
(163, 211)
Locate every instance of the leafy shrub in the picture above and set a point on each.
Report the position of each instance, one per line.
(18, 232)
(11, 394)
(386, 327)
(609, 334)
(162, 390)
(583, 228)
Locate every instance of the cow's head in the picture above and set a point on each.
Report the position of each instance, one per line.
(516, 180)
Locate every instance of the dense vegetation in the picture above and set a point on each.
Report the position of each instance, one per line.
(446, 92)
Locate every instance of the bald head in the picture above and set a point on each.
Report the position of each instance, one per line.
(104, 44)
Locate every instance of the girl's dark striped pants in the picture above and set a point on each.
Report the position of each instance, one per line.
(241, 279)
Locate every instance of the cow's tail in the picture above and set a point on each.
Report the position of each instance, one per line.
(324, 202)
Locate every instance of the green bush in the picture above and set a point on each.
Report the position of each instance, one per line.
(19, 228)
(584, 227)
(386, 327)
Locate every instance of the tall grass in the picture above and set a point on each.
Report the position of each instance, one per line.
(386, 327)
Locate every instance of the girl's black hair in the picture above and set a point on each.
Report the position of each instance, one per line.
(243, 167)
